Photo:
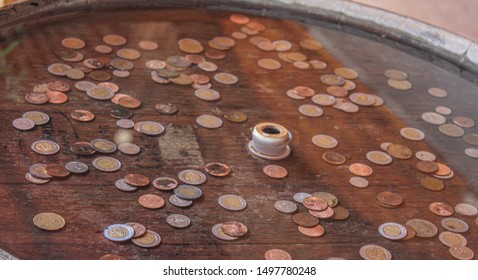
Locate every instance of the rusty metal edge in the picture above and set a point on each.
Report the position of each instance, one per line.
(431, 39)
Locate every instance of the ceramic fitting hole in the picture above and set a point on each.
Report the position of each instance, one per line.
(271, 130)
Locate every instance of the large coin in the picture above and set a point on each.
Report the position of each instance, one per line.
(76, 167)
(285, 206)
(188, 192)
(423, 227)
(49, 221)
(374, 252)
(118, 232)
(392, 231)
(178, 221)
(106, 164)
(45, 147)
(192, 177)
(179, 202)
(148, 240)
(232, 202)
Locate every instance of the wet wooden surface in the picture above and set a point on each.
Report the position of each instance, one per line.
(90, 202)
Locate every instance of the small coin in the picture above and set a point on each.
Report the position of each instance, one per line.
(432, 184)
(49, 221)
(305, 219)
(179, 202)
(413, 134)
(151, 201)
(304, 91)
(100, 93)
(277, 254)
(310, 110)
(331, 199)
(106, 164)
(82, 149)
(332, 80)
(45, 147)
(425, 156)
(56, 170)
(338, 91)
(450, 239)
(334, 157)
(300, 196)
(466, 210)
(149, 128)
(389, 199)
(178, 221)
(76, 167)
(165, 183)
(36, 98)
(125, 123)
(359, 182)
(234, 228)
(123, 66)
(217, 169)
(392, 231)
(84, 85)
(136, 180)
(455, 225)
(188, 192)
(147, 45)
(395, 74)
(427, 166)
(103, 146)
(189, 45)
(437, 92)
(471, 139)
(219, 233)
(318, 64)
(363, 99)
(73, 43)
(399, 151)
(56, 97)
(325, 141)
(155, 64)
(38, 171)
(82, 115)
(423, 227)
(226, 78)
(269, 64)
(23, 124)
(323, 99)
(471, 152)
(461, 252)
(103, 49)
(232, 202)
(166, 109)
(148, 240)
(123, 186)
(315, 203)
(129, 148)
(58, 86)
(293, 94)
(139, 229)
(346, 73)
(443, 169)
(207, 94)
(360, 169)
(128, 53)
(400, 85)
(379, 157)
(30, 178)
(451, 130)
(340, 213)
(463, 121)
(411, 233)
(58, 69)
(129, 102)
(374, 252)
(324, 214)
(209, 121)
(192, 177)
(207, 66)
(239, 18)
(315, 231)
(285, 206)
(121, 73)
(433, 118)
(441, 209)
(275, 171)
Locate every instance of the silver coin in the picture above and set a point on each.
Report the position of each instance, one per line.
(23, 124)
(35, 180)
(232, 202)
(106, 164)
(100, 93)
(188, 192)
(437, 92)
(392, 231)
(300, 196)
(471, 139)
(148, 240)
(293, 94)
(454, 225)
(125, 123)
(219, 233)
(123, 186)
(358, 182)
(149, 128)
(118, 232)
(379, 157)
(451, 130)
(323, 99)
(121, 73)
(445, 177)
(433, 118)
(192, 177)
(209, 121)
(45, 147)
(37, 170)
(178, 221)
(155, 64)
(385, 145)
(103, 146)
(226, 78)
(76, 167)
(425, 156)
(311, 110)
(129, 148)
(58, 69)
(84, 85)
(205, 86)
(471, 152)
(207, 94)
(443, 110)
(179, 202)
(39, 118)
(466, 209)
(285, 206)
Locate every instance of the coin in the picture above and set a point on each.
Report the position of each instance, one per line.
(166, 109)
(311, 44)
(411, 233)
(282, 45)
(226, 78)
(396, 74)
(315, 231)
(441, 209)
(317, 64)
(285, 206)
(139, 229)
(207, 66)
(179, 202)
(471, 139)
(454, 224)
(149, 128)
(121, 74)
(471, 152)
(123, 186)
(305, 219)
(443, 169)
(82, 149)
(147, 45)
(103, 49)
(155, 64)
(192, 177)
(234, 228)
(122, 65)
(188, 192)
(331, 199)
(304, 91)
(76, 167)
(38, 171)
(461, 252)
(427, 166)
(217, 169)
(209, 121)
(148, 240)
(219, 233)
(277, 254)
(269, 64)
(413, 134)
(363, 99)
(239, 18)
(45, 147)
(73, 43)
(232, 202)
(325, 141)
(323, 99)
(207, 94)
(100, 93)
(432, 184)
(56, 170)
(399, 151)
(437, 92)
(324, 214)
(129, 148)
(215, 54)
(293, 94)
(275, 171)
(451, 130)
(359, 182)
(36, 98)
(379, 157)
(106, 164)
(178, 221)
(332, 80)
(360, 169)
(128, 53)
(58, 69)
(425, 156)
(310, 110)
(49, 221)
(466, 210)
(400, 85)
(165, 183)
(340, 213)
(23, 123)
(315, 203)
(338, 91)
(103, 146)
(433, 118)
(151, 201)
(189, 45)
(392, 231)
(84, 85)
(374, 252)
(30, 178)
(136, 180)
(423, 227)
(452, 239)
(56, 97)
(333, 157)
(346, 73)
(389, 199)
(463, 121)
(58, 86)
(82, 115)
(300, 196)
(93, 63)
(129, 102)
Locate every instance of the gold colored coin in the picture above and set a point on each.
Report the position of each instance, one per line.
(400, 85)
(346, 73)
(450, 239)
(399, 151)
(73, 43)
(325, 141)
(311, 44)
(269, 64)
(374, 252)
(432, 184)
(49, 221)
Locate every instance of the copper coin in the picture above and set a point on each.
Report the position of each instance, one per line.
(277, 254)
(451, 130)
(58, 86)
(337, 91)
(217, 169)
(293, 94)
(219, 233)
(396, 74)
(136, 180)
(340, 213)
(165, 183)
(49, 221)
(73, 43)
(275, 171)
(427, 166)
(129, 148)
(139, 229)
(151, 201)
(333, 157)
(103, 49)
(194, 59)
(30, 178)
(45, 147)
(82, 115)
(269, 64)
(304, 91)
(374, 252)
(465, 209)
(235, 116)
(148, 240)
(178, 221)
(399, 151)
(432, 184)
(56, 97)
(36, 98)
(234, 228)
(56, 170)
(411, 233)
(200, 79)
(100, 76)
(117, 96)
(215, 54)
(359, 182)
(166, 109)
(315, 203)
(423, 227)
(239, 18)
(461, 252)
(315, 231)
(23, 124)
(360, 169)
(129, 102)
(437, 92)
(324, 214)
(389, 199)
(441, 209)
(331, 199)
(82, 149)
(400, 85)
(305, 219)
(443, 169)
(454, 224)
(285, 206)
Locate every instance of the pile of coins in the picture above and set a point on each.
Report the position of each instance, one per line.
(397, 79)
